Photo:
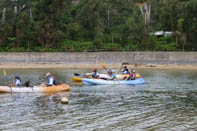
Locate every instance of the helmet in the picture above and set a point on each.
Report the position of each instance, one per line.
(47, 74)
(125, 66)
(112, 70)
(133, 71)
(17, 76)
(95, 70)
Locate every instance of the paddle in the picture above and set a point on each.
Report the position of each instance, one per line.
(5, 75)
(77, 74)
(102, 64)
(116, 79)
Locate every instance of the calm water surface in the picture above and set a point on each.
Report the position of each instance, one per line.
(168, 101)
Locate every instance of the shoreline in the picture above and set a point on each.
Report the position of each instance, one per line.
(90, 66)
(88, 60)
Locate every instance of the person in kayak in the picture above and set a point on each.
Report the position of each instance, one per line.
(17, 81)
(109, 71)
(51, 79)
(95, 73)
(131, 75)
(125, 70)
(113, 75)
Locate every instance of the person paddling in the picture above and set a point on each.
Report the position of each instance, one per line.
(17, 81)
(125, 70)
(113, 75)
(132, 75)
(95, 73)
(109, 71)
(51, 79)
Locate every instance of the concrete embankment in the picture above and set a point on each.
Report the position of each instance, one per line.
(92, 59)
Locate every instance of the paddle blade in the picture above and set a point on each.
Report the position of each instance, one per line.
(77, 74)
(102, 64)
(4, 72)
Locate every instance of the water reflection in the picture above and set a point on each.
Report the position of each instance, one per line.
(49, 106)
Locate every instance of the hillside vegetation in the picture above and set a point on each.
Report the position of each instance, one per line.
(97, 25)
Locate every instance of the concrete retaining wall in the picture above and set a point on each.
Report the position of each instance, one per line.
(177, 58)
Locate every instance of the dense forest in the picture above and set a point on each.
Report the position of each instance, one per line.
(98, 25)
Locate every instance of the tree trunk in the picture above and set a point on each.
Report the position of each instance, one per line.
(185, 40)
(30, 15)
(177, 40)
(3, 15)
(14, 25)
(112, 37)
(146, 12)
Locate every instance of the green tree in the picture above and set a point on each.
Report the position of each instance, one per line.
(190, 24)
(134, 30)
(49, 18)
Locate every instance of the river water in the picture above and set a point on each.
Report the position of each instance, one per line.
(168, 101)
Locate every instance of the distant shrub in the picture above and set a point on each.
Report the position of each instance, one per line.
(112, 46)
(166, 43)
(15, 49)
(77, 46)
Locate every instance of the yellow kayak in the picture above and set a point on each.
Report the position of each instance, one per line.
(137, 75)
(77, 79)
(121, 76)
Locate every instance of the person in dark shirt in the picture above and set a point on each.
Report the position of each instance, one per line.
(125, 70)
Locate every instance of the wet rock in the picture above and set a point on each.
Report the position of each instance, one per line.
(64, 100)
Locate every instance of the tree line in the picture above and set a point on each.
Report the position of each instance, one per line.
(98, 25)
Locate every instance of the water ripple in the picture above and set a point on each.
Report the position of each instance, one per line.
(166, 102)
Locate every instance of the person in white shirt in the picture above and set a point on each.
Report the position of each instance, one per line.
(95, 73)
(51, 79)
(17, 81)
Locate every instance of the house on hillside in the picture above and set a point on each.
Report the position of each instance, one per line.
(162, 33)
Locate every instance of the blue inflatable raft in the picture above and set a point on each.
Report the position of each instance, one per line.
(89, 81)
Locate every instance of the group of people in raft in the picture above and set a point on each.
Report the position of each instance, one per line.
(50, 82)
(131, 74)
